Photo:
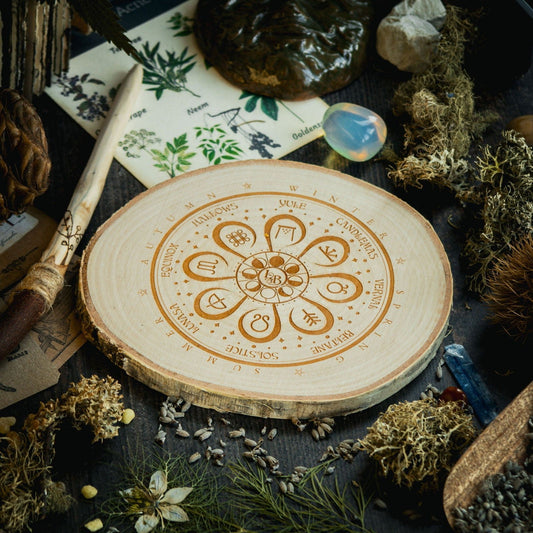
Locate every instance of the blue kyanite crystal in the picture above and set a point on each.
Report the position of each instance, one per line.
(354, 131)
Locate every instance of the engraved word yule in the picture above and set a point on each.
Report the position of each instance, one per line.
(276, 279)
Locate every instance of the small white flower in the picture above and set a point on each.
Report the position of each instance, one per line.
(160, 504)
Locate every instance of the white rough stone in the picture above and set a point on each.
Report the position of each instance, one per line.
(432, 11)
(408, 35)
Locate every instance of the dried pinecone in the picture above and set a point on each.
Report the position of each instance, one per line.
(24, 162)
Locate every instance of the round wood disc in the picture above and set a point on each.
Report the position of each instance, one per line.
(268, 288)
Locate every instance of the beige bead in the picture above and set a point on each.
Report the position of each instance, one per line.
(127, 416)
(6, 422)
(94, 525)
(88, 491)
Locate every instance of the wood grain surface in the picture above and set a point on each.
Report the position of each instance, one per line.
(268, 288)
(502, 363)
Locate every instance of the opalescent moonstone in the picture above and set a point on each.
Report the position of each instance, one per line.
(354, 131)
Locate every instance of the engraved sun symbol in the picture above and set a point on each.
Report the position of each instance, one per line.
(271, 279)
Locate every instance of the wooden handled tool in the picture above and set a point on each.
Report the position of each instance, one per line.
(36, 293)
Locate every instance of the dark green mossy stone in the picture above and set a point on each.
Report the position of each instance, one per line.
(287, 49)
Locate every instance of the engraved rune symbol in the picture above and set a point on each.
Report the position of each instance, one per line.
(208, 266)
(216, 302)
(311, 318)
(286, 230)
(238, 237)
(330, 253)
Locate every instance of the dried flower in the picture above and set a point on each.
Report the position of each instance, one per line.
(156, 503)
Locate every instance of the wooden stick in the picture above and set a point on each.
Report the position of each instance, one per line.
(36, 293)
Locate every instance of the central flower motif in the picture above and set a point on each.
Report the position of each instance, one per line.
(272, 277)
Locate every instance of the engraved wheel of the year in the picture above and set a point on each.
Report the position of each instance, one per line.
(268, 288)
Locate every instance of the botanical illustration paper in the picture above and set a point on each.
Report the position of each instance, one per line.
(187, 116)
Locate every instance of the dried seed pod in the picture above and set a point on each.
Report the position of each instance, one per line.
(185, 407)
(196, 456)
(24, 161)
(205, 436)
(272, 434)
(283, 486)
(180, 432)
(199, 432)
(236, 433)
(250, 443)
(260, 461)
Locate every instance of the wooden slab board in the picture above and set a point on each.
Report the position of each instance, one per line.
(269, 288)
(504, 439)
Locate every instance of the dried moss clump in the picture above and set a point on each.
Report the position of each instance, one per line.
(505, 205)
(27, 491)
(510, 290)
(417, 443)
(442, 120)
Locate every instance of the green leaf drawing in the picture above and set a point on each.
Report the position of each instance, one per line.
(172, 159)
(181, 24)
(166, 73)
(269, 106)
(215, 145)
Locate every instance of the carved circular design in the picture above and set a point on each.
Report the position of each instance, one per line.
(272, 277)
(299, 289)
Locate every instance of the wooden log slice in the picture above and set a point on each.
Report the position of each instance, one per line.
(268, 288)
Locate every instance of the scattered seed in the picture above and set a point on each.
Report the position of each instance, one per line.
(222, 443)
(236, 433)
(196, 456)
(283, 486)
(250, 443)
(290, 488)
(330, 470)
(225, 421)
(199, 432)
(185, 407)
(182, 433)
(264, 430)
(438, 373)
(260, 461)
(205, 435)
(380, 504)
(272, 434)
(315, 434)
(161, 436)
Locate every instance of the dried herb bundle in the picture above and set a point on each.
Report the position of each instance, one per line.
(27, 491)
(442, 120)
(416, 443)
(510, 290)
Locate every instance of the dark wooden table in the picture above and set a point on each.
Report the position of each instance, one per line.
(498, 358)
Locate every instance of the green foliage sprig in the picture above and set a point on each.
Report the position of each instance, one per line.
(313, 507)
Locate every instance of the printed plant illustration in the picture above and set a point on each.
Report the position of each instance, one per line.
(258, 141)
(269, 106)
(216, 146)
(172, 159)
(92, 106)
(168, 73)
(181, 24)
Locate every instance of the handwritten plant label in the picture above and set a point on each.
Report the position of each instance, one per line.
(187, 116)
